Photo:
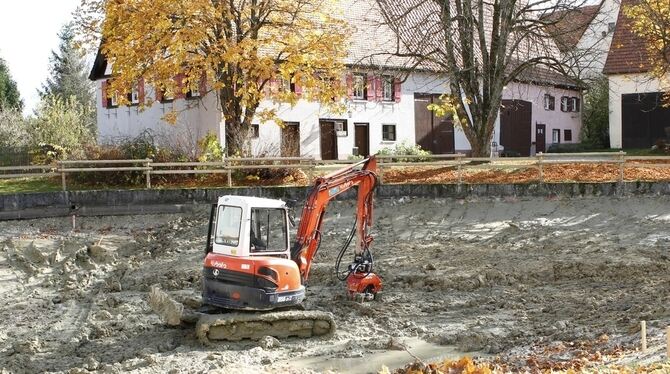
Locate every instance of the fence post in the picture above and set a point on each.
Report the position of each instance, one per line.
(380, 167)
(148, 172)
(540, 157)
(459, 171)
(62, 175)
(310, 171)
(622, 162)
(230, 178)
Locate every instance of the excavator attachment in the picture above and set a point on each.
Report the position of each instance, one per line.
(282, 324)
(236, 326)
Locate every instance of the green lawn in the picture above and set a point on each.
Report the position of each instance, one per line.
(9, 186)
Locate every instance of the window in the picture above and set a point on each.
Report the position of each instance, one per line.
(555, 136)
(268, 230)
(193, 93)
(388, 133)
(567, 135)
(285, 85)
(255, 131)
(611, 26)
(549, 102)
(565, 104)
(341, 128)
(574, 104)
(134, 96)
(112, 101)
(387, 88)
(167, 96)
(360, 90)
(228, 223)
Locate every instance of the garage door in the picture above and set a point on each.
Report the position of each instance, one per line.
(644, 120)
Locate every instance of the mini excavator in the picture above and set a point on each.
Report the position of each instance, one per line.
(251, 265)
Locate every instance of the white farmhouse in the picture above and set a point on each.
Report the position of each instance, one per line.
(391, 107)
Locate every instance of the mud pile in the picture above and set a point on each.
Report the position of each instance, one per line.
(488, 277)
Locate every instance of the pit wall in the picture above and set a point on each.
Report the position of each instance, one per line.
(121, 202)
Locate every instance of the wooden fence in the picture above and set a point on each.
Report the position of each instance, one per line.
(311, 167)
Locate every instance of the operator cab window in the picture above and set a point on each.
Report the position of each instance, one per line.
(228, 223)
(268, 230)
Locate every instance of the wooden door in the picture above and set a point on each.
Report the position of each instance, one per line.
(362, 139)
(423, 121)
(328, 140)
(435, 134)
(515, 126)
(444, 137)
(290, 140)
(540, 138)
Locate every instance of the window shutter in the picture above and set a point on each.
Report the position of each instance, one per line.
(350, 85)
(370, 92)
(397, 90)
(179, 83)
(104, 94)
(297, 87)
(379, 93)
(202, 87)
(274, 86)
(140, 90)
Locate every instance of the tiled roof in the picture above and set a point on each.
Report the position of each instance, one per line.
(568, 26)
(627, 52)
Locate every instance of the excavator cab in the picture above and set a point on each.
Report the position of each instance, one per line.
(248, 265)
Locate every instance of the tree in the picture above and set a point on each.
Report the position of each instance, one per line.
(481, 46)
(13, 129)
(595, 124)
(9, 93)
(242, 49)
(62, 124)
(650, 20)
(69, 72)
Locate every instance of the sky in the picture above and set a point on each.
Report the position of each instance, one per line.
(28, 32)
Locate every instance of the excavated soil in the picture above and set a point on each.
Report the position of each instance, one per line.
(490, 278)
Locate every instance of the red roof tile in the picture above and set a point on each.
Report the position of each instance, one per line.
(568, 26)
(627, 53)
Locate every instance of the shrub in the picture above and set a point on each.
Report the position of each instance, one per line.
(405, 149)
(210, 148)
(59, 129)
(573, 148)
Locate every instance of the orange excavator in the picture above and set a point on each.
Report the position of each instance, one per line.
(250, 264)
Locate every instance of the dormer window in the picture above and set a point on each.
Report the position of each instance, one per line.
(549, 102)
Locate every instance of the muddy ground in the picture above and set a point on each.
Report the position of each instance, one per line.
(503, 278)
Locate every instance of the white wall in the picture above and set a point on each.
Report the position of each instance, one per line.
(122, 122)
(627, 84)
(593, 47)
(375, 114)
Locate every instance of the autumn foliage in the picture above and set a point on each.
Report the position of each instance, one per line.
(243, 50)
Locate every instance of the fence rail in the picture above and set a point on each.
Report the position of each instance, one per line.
(310, 166)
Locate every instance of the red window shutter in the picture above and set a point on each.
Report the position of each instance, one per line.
(274, 87)
(370, 92)
(179, 83)
(104, 94)
(397, 90)
(297, 88)
(140, 90)
(203, 85)
(350, 85)
(379, 94)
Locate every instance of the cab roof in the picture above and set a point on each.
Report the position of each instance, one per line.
(250, 202)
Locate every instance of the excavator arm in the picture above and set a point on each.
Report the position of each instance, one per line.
(326, 188)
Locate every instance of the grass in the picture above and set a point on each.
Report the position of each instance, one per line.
(10, 186)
